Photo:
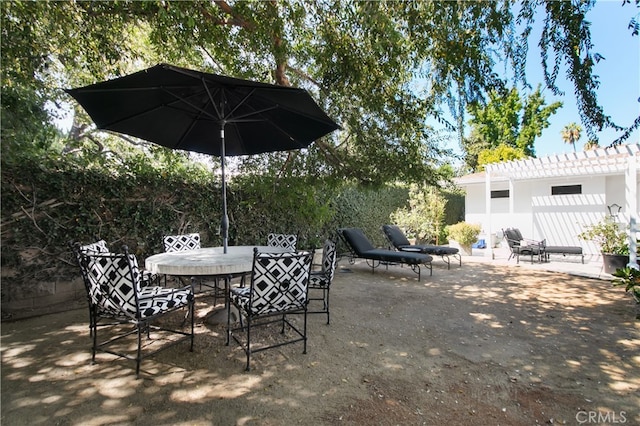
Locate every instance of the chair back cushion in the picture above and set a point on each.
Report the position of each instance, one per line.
(181, 242)
(114, 282)
(79, 251)
(395, 236)
(329, 259)
(517, 234)
(357, 240)
(287, 241)
(279, 282)
(512, 237)
(97, 247)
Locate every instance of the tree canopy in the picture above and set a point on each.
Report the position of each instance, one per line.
(507, 121)
(380, 69)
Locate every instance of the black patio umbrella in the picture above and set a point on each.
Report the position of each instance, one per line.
(207, 113)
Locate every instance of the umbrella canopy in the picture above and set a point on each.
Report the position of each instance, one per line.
(207, 113)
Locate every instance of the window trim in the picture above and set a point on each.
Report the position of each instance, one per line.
(500, 193)
(566, 189)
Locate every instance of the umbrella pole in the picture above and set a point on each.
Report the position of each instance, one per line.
(225, 218)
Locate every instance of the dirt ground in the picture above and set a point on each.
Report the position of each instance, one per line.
(475, 345)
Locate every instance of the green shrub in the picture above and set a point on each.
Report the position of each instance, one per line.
(609, 235)
(49, 199)
(464, 233)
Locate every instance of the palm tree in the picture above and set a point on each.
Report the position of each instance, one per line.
(571, 134)
(591, 145)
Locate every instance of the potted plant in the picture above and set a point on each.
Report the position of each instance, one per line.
(630, 279)
(613, 242)
(465, 234)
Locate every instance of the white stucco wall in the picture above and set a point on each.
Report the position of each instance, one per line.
(605, 176)
(560, 218)
(539, 215)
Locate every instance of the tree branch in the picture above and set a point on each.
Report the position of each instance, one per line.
(305, 76)
(236, 20)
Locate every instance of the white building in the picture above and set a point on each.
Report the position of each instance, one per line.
(554, 197)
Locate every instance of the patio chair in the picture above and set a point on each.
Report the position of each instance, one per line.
(287, 241)
(399, 241)
(360, 247)
(116, 299)
(100, 246)
(521, 246)
(279, 287)
(320, 280)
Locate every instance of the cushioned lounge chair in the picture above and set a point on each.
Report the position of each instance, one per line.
(360, 247)
(521, 246)
(399, 241)
(564, 251)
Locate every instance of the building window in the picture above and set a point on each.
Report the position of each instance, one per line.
(500, 194)
(566, 189)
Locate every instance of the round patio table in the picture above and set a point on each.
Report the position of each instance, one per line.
(210, 261)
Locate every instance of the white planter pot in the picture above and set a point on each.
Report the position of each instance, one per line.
(465, 250)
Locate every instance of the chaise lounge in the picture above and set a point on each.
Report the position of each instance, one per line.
(564, 251)
(399, 241)
(521, 246)
(360, 247)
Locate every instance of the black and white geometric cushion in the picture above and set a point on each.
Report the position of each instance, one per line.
(287, 241)
(101, 247)
(115, 288)
(153, 300)
(113, 283)
(181, 242)
(323, 278)
(97, 247)
(240, 295)
(279, 283)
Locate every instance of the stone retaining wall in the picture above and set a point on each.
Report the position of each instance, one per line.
(41, 298)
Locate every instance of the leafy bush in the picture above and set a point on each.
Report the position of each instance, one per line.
(629, 278)
(464, 233)
(608, 234)
(423, 218)
(135, 198)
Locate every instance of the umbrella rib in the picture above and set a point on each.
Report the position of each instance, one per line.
(192, 105)
(240, 118)
(239, 104)
(158, 107)
(191, 126)
(220, 117)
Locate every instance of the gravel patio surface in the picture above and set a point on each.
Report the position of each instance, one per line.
(485, 343)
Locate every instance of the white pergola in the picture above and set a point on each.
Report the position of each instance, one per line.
(623, 159)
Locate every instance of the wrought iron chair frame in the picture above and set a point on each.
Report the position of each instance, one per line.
(321, 280)
(108, 307)
(289, 288)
